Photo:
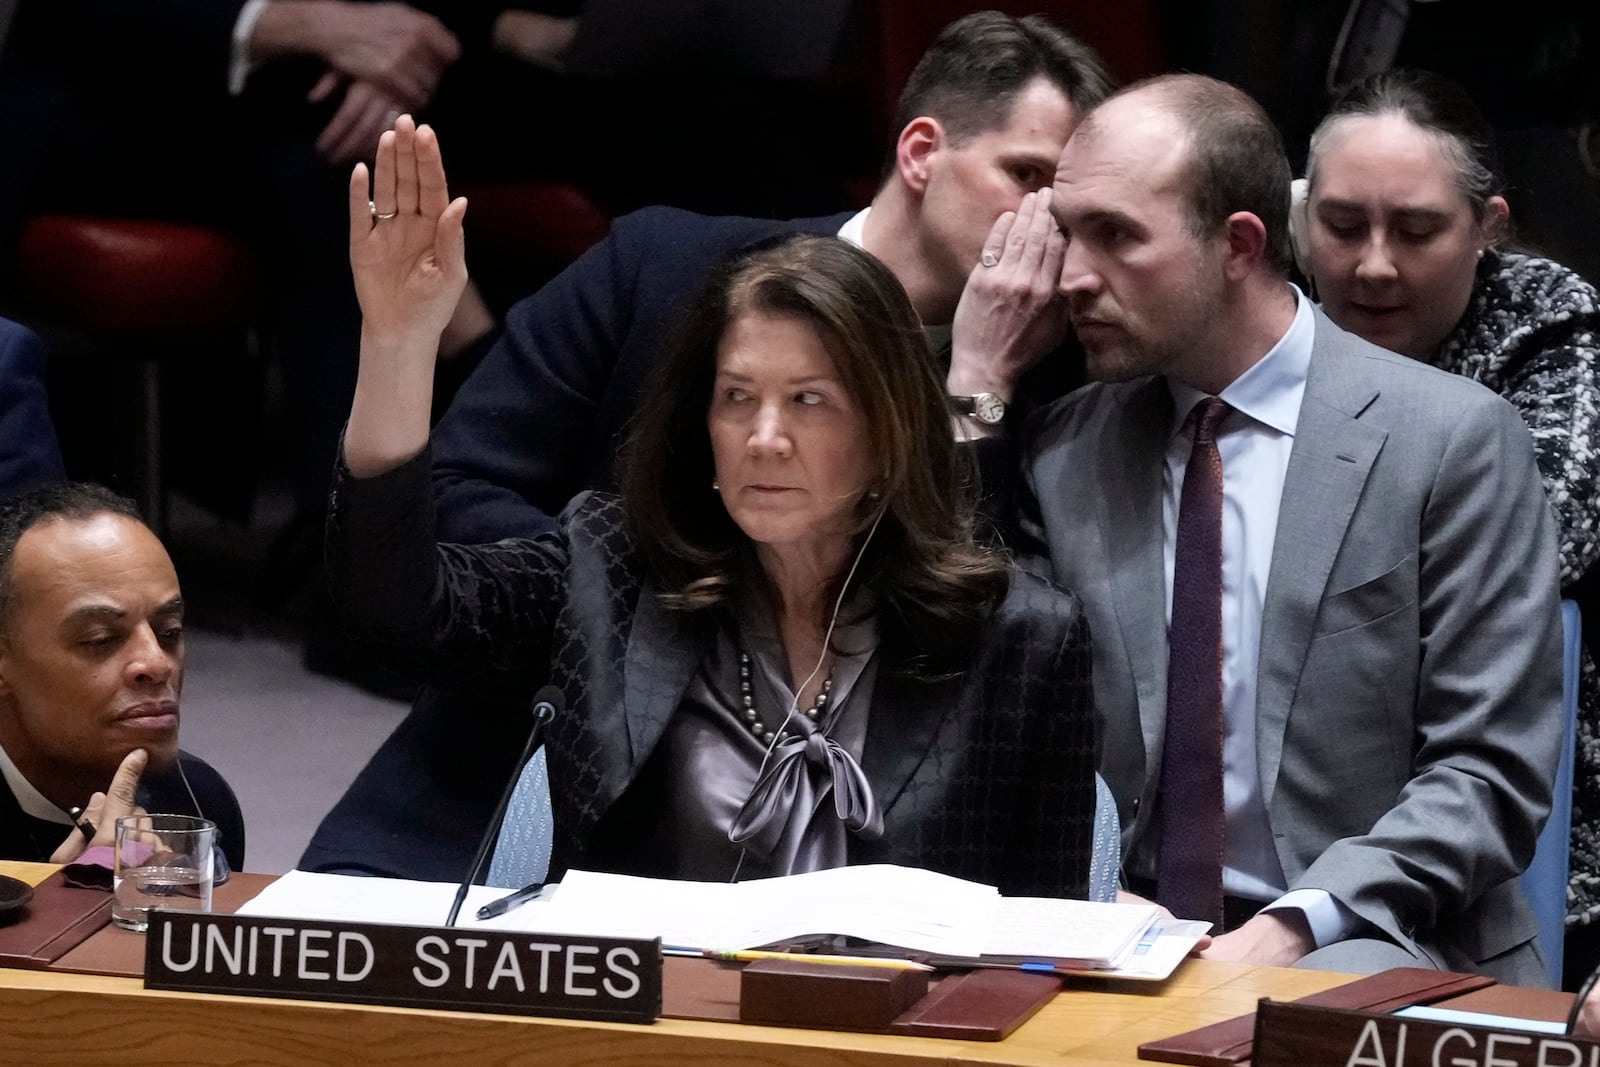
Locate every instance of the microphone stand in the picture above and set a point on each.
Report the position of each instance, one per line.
(545, 705)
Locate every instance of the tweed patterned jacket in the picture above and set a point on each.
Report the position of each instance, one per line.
(987, 775)
(1532, 334)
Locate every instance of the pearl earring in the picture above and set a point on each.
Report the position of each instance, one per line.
(715, 488)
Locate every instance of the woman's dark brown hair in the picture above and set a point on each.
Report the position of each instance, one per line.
(932, 583)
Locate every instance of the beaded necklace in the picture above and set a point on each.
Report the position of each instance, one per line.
(753, 721)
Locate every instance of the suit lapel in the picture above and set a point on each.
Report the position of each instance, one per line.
(1333, 454)
(1131, 538)
(664, 650)
(901, 729)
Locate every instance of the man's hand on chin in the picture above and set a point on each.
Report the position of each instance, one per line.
(104, 809)
(1272, 938)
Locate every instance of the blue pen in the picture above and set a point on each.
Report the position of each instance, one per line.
(1148, 941)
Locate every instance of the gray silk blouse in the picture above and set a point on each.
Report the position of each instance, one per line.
(714, 780)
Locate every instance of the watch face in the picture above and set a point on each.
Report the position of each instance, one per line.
(988, 408)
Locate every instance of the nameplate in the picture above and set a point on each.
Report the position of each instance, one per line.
(607, 978)
(1290, 1035)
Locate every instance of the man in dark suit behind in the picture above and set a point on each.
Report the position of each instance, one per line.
(140, 110)
(1327, 643)
(980, 123)
(957, 219)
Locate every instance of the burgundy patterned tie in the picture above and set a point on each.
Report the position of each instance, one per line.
(1189, 880)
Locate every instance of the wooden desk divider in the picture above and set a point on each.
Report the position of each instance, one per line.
(829, 996)
(983, 1005)
(1230, 1042)
(1297, 1035)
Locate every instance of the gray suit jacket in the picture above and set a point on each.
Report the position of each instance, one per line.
(1408, 702)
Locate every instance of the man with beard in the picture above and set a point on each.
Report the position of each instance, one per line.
(1320, 576)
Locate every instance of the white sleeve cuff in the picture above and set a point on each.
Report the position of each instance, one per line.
(1329, 920)
(239, 65)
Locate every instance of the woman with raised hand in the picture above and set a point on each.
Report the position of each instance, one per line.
(781, 647)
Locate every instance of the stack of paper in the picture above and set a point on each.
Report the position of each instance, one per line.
(1089, 934)
(913, 909)
(902, 906)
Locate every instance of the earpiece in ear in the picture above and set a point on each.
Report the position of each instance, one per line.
(1300, 224)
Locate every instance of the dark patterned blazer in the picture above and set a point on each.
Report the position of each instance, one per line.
(539, 421)
(988, 775)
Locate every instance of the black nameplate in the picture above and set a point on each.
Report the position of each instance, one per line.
(1291, 1035)
(614, 979)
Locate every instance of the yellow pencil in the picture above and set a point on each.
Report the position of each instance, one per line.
(816, 957)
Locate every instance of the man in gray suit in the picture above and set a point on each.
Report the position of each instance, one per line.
(1352, 753)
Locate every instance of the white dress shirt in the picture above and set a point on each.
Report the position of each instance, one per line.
(854, 231)
(30, 800)
(239, 65)
(1254, 441)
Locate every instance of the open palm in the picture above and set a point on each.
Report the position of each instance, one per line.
(406, 248)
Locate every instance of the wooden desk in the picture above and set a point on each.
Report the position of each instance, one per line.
(53, 1018)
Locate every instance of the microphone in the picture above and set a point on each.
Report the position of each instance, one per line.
(547, 703)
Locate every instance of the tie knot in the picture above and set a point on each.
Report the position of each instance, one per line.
(1204, 417)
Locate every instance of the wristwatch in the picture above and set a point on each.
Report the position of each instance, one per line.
(987, 408)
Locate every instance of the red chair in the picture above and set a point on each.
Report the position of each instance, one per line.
(546, 223)
(140, 291)
(151, 293)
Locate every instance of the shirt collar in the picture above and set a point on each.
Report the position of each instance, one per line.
(855, 227)
(853, 230)
(29, 799)
(1269, 392)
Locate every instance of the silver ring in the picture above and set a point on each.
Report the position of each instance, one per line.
(373, 210)
(989, 259)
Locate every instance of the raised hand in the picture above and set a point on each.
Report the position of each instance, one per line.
(406, 246)
(408, 257)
